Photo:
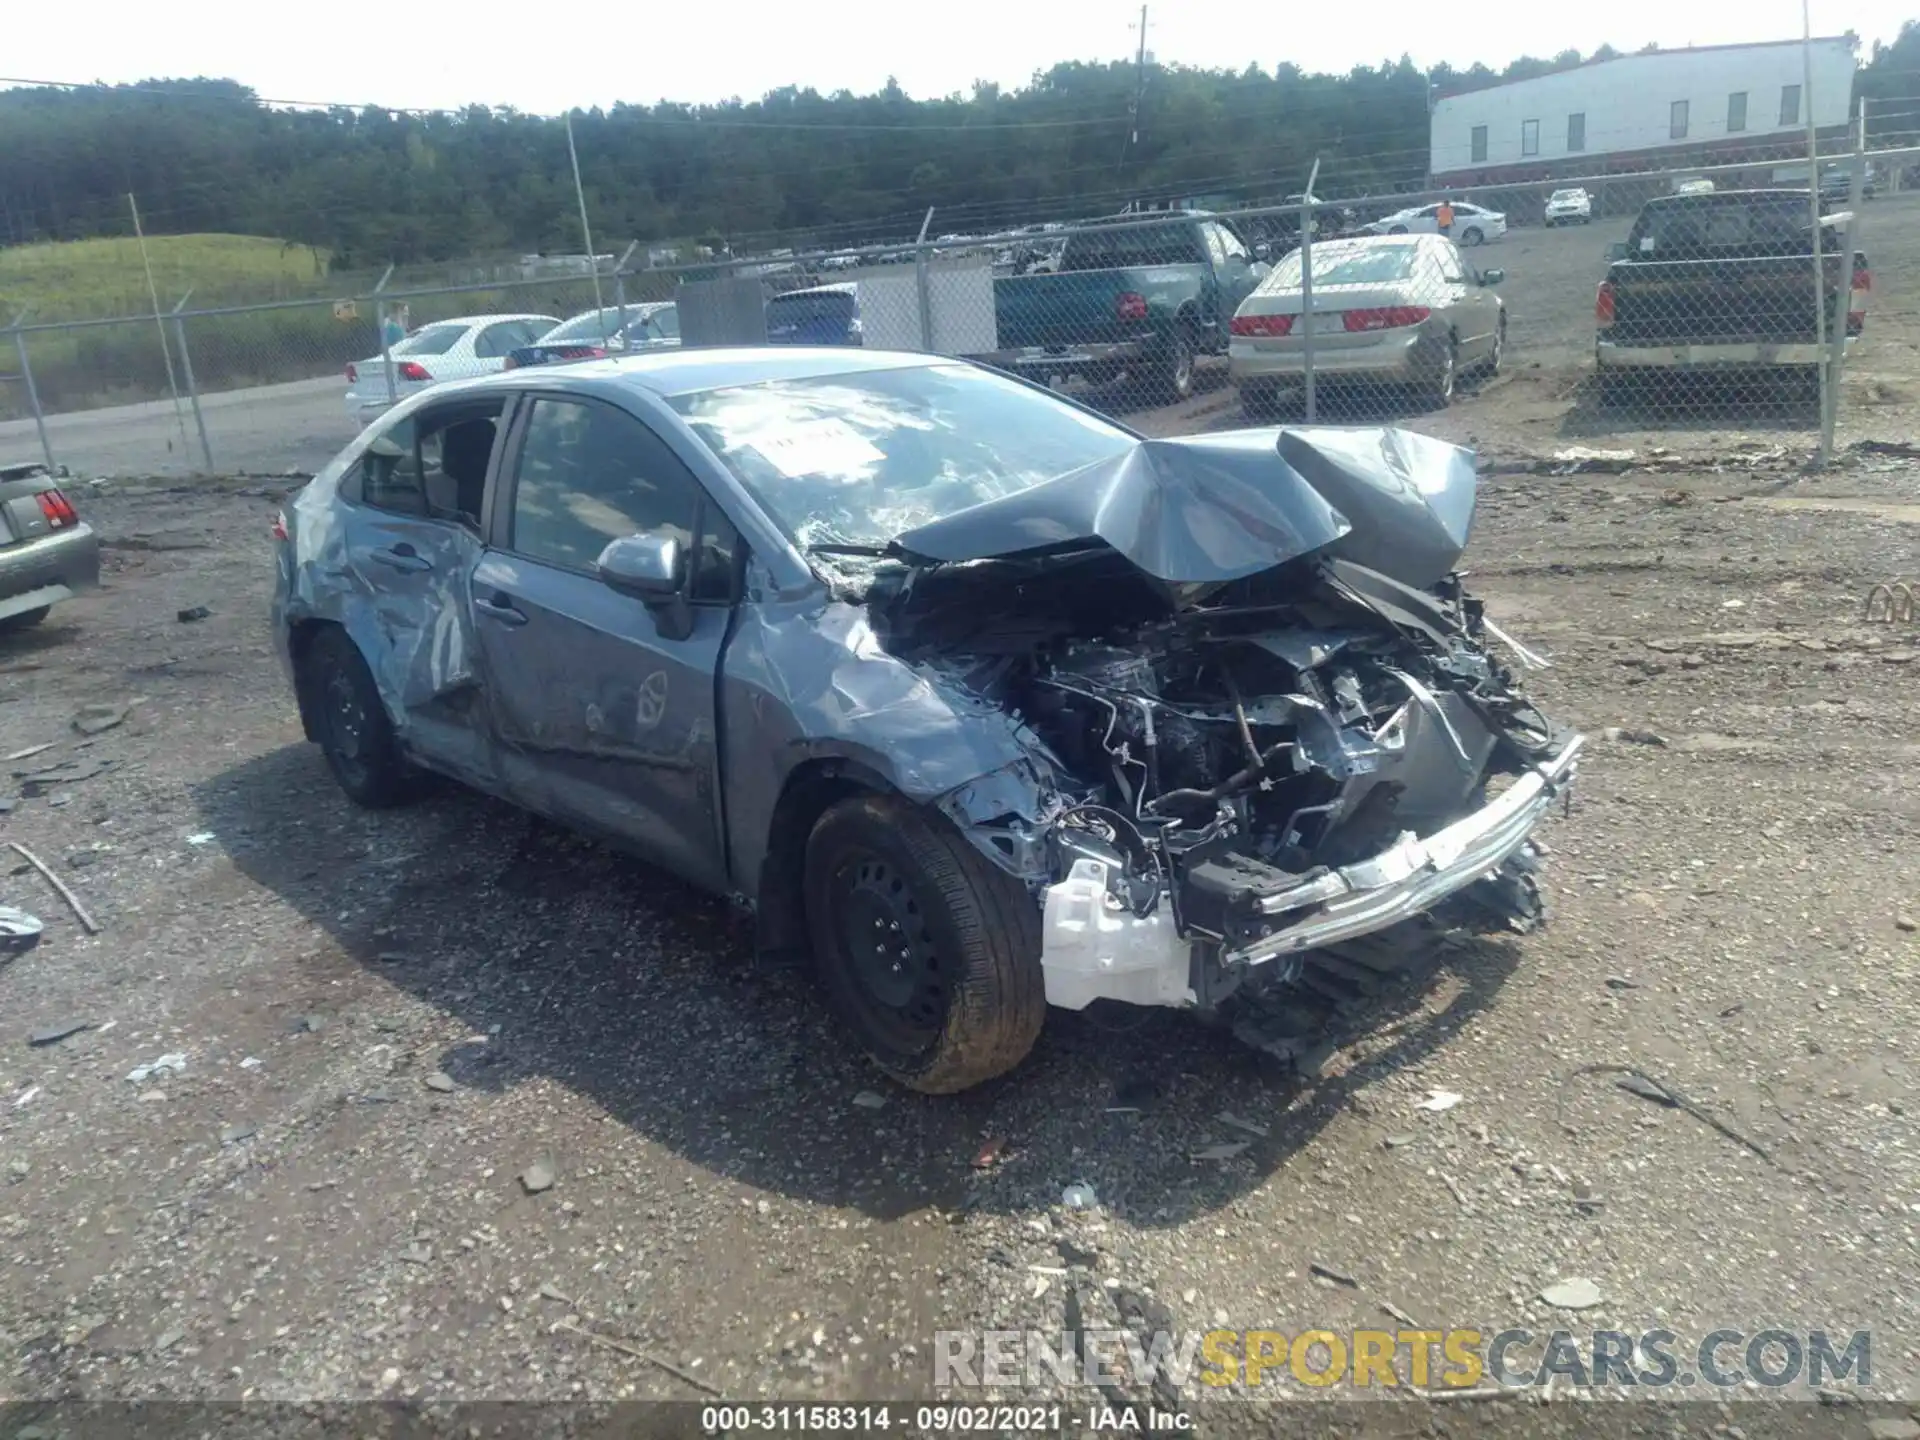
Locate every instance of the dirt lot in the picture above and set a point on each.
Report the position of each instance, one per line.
(308, 1209)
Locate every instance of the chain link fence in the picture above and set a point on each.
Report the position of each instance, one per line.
(1610, 313)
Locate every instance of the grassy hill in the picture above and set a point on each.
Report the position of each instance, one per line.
(82, 279)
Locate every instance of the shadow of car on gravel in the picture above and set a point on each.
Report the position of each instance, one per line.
(644, 997)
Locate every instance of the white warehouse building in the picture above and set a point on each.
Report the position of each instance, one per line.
(1665, 109)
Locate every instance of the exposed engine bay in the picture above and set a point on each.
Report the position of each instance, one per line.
(1249, 769)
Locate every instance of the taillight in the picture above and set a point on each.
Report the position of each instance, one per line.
(353, 373)
(279, 531)
(1388, 317)
(413, 370)
(1603, 303)
(1261, 326)
(1130, 306)
(58, 509)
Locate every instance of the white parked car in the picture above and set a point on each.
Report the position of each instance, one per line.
(1570, 207)
(1389, 309)
(456, 349)
(1471, 224)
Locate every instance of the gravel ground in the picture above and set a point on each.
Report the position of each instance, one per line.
(458, 1087)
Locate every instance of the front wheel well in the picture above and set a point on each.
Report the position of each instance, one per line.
(780, 902)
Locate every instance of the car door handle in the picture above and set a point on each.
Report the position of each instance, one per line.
(500, 606)
(403, 557)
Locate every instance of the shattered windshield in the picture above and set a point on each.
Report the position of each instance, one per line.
(857, 459)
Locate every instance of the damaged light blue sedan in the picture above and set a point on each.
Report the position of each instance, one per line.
(980, 698)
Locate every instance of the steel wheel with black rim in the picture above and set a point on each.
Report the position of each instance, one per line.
(928, 951)
(1176, 378)
(351, 724)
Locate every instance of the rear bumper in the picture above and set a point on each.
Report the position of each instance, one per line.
(1068, 359)
(1610, 355)
(48, 570)
(1396, 360)
(1414, 875)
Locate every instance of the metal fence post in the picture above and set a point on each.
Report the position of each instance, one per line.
(920, 263)
(186, 373)
(1843, 290)
(33, 394)
(386, 347)
(1306, 286)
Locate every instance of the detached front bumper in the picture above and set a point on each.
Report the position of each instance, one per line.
(1414, 875)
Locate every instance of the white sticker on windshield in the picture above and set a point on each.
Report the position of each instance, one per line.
(821, 447)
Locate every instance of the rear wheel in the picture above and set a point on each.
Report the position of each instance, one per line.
(25, 620)
(351, 723)
(1471, 235)
(928, 951)
(1176, 376)
(1398, 230)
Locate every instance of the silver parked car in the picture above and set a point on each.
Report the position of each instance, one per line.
(47, 552)
(1394, 309)
(979, 697)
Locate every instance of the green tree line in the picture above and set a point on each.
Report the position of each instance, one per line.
(371, 185)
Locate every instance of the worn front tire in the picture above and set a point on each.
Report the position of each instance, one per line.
(928, 951)
(352, 726)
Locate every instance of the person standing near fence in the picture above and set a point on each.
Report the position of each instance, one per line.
(393, 329)
(1443, 216)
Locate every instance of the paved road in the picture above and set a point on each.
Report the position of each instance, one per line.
(267, 429)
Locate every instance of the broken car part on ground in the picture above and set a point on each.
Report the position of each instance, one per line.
(982, 698)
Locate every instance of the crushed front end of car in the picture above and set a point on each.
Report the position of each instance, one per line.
(1267, 716)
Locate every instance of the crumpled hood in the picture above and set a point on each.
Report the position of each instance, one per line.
(1206, 509)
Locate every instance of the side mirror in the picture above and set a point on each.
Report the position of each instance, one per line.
(647, 567)
(1617, 250)
(1492, 277)
(651, 569)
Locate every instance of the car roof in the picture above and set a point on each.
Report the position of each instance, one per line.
(482, 319)
(839, 287)
(686, 372)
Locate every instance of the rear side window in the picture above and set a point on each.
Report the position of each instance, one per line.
(432, 464)
(1131, 247)
(433, 340)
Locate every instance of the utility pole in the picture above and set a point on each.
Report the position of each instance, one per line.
(1139, 92)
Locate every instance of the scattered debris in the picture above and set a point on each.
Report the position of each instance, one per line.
(990, 1153)
(1332, 1276)
(73, 901)
(1458, 1194)
(308, 1024)
(1733, 1010)
(1733, 604)
(25, 1097)
(1646, 1090)
(439, 1080)
(173, 1063)
(1439, 1101)
(1577, 1293)
(34, 783)
(191, 614)
(1395, 1142)
(1227, 1150)
(1039, 1286)
(870, 1100)
(31, 751)
(1905, 922)
(1902, 603)
(234, 1134)
(252, 1062)
(19, 931)
(637, 1353)
(1575, 459)
(1672, 1095)
(393, 957)
(54, 1034)
(550, 1291)
(1894, 1427)
(1079, 1196)
(1387, 1307)
(1250, 1127)
(95, 719)
(1625, 735)
(200, 837)
(538, 1176)
(418, 1253)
